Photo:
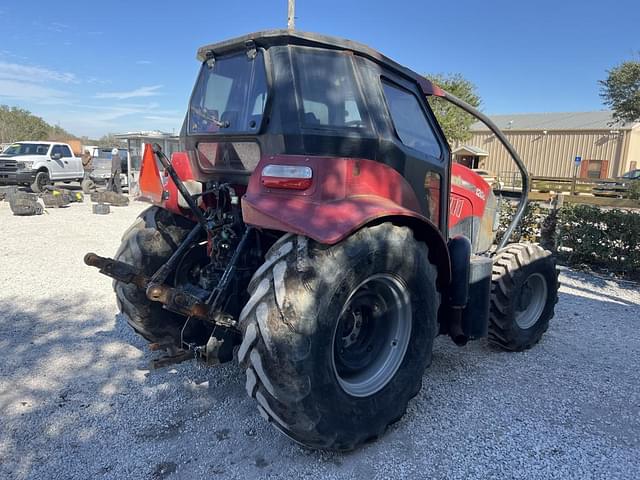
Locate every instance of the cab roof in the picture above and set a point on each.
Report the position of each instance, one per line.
(269, 38)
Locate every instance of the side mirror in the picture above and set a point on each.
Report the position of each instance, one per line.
(56, 156)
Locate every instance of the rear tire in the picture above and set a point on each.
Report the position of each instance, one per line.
(524, 292)
(318, 376)
(146, 245)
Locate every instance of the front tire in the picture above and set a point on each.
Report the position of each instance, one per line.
(41, 180)
(524, 292)
(324, 376)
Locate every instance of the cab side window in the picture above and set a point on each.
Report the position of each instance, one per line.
(56, 149)
(65, 151)
(409, 119)
(328, 101)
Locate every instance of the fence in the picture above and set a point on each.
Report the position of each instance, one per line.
(510, 182)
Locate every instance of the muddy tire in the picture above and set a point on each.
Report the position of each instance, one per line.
(55, 199)
(24, 207)
(40, 182)
(524, 292)
(323, 366)
(146, 245)
(88, 185)
(101, 209)
(18, 194)
(112, 198)
(7, 192)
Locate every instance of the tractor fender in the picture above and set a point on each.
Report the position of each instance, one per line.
(346, 195)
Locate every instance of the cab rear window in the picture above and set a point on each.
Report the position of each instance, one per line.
(230, 96)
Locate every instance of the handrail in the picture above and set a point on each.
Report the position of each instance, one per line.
(526, 182)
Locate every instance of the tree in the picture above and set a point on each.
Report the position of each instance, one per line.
(454, 122)
(621, 91)
(18, 124)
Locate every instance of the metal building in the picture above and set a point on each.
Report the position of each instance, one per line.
(549, 143)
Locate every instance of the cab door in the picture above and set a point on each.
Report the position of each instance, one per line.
(68, 166)
(55, 163)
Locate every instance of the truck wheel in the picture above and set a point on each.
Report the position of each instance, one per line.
(88, 185)
(146, 245)
(336, 339)
(524, 292)
(40, 182)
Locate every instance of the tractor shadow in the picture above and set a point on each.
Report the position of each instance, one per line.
(77, 399)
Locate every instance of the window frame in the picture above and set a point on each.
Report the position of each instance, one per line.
(426, 113)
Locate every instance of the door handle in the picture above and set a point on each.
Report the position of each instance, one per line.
(66, 162)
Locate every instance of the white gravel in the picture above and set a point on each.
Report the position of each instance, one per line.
(77, 400)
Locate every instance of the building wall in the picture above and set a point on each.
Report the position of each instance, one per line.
(633, 153)
(553, 154)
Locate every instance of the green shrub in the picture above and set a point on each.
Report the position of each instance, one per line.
(584, 235)
(634, 190)
(600, 238)
(529, 228)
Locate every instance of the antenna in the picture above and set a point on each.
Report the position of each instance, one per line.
(291, 18)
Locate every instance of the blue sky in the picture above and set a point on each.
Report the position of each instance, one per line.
(114, 66)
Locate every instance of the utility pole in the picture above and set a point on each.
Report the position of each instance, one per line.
(291, 15)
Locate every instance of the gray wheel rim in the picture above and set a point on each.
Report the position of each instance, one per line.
(531, 301)
(377, 311)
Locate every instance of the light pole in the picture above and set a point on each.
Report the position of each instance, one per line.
(291, 15)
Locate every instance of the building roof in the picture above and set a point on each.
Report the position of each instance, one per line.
(600, 120)
(146, 134)
(470, 150)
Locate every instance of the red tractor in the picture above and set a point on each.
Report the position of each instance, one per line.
(314, 226)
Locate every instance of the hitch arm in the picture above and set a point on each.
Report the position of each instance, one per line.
(174, 299)
(117, 270)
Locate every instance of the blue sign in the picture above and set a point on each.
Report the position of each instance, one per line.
(578, 161)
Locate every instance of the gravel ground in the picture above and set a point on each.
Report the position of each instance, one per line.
(77, 399)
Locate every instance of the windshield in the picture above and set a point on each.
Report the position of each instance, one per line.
(26, 149)
(229, 97)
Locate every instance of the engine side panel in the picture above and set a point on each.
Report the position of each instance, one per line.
(472, 208)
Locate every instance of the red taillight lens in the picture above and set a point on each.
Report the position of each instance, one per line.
(151, 186)
(292, 177)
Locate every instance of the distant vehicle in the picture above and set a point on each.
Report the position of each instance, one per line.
(490, 178)
(617, 186)
(101, 167)
(38, 164)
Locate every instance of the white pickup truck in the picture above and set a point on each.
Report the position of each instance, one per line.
(37, 164)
